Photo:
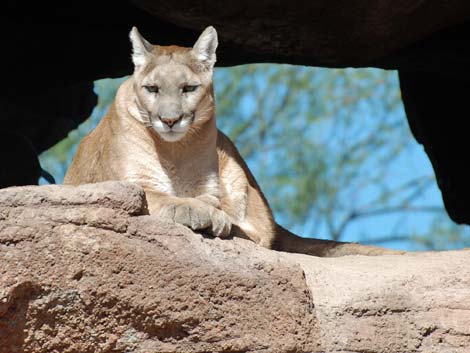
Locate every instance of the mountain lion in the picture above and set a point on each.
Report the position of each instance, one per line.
(161, 133)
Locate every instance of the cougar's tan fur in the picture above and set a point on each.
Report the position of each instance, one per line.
(161, 133)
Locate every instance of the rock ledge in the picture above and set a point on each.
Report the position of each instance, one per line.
(82, 269)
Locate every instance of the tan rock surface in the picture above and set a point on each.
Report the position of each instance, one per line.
(83, 270)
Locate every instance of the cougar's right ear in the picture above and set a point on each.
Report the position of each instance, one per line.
(141, 49)
(205, 47)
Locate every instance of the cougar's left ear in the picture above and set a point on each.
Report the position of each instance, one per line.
(141, 49)
(204, 49)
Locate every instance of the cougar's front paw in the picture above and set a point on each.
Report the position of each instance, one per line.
(198, 215)
(221, 224)
(192, 215)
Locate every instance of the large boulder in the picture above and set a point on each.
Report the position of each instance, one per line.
(84, 269)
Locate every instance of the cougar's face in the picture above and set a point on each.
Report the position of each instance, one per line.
(173, 85)
(173, 98)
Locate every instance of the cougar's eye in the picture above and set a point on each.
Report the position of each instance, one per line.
(152, 89)
(189, 88)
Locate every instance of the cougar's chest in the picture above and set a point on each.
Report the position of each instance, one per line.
(192, 181)
(184, 180)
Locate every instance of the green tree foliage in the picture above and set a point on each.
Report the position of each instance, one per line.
(330, 148)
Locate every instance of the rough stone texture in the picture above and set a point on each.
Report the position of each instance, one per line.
(79, 274)
(419, 302)
(85, 270)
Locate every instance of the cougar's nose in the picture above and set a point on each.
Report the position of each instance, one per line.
(170, 121)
